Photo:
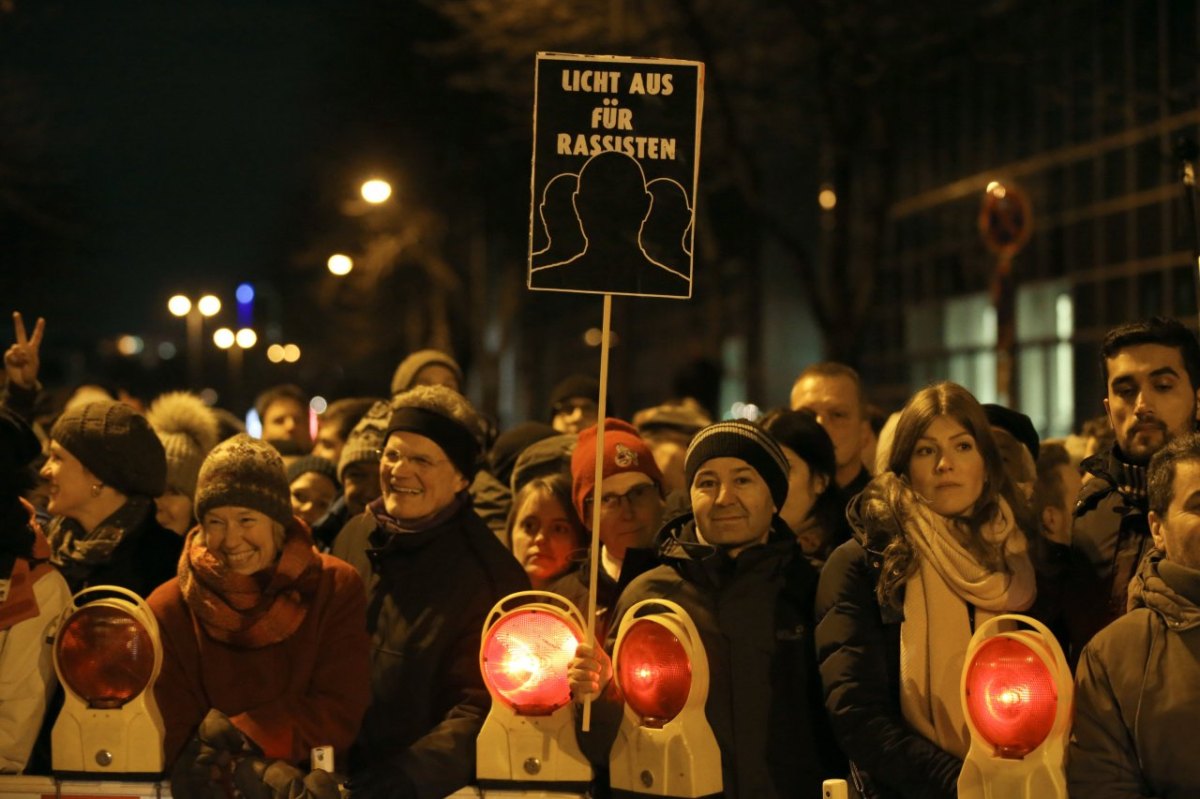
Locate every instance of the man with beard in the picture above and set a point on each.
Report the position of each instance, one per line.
(1151, 373)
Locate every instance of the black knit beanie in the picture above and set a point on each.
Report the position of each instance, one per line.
(115, 443)
(745, 440)
(244, 472)
(313, 463)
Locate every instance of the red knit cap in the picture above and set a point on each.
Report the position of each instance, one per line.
(624, 451)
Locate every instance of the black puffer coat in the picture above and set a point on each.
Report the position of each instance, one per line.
(427, 595)
(858, 649)
(754, 616)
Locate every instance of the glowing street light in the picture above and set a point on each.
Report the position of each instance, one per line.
(291, 353)
(246, 338)
(182, 306)
(209, 305)
(340, 264)
(223, 337)
(376, 191)
(179, 305)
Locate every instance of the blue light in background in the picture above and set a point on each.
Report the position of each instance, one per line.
(245, 294)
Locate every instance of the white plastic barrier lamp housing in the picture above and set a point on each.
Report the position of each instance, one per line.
(108, 653)
(528, 739)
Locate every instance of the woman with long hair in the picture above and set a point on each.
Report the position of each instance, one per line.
(940, 545)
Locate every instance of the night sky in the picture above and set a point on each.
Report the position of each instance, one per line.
(164, 147)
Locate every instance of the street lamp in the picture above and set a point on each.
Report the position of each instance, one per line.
(182, 306)
(376, 191)
(340, 264)
(235, 344)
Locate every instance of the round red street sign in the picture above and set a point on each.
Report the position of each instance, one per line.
(1005, 218)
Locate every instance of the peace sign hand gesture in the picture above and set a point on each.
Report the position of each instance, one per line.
(21, 359)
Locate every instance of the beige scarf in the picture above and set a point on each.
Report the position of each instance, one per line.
(937, 626)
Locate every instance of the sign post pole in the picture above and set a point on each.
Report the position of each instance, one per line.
(594, 558)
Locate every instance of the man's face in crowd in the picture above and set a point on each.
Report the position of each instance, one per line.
(329, 443)
(574, 414)
(416, 477)
(1178, 533)
(284, 419)
(835, 402)
(360, 485)
(1150, 399)
(630, 512)
(732, 503)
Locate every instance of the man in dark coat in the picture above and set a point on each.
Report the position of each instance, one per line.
(1138, 683)
(1152, 381)
(740, 574)
(432, 570)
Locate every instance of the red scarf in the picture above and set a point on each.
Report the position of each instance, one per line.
(250, 610)
(19, 602)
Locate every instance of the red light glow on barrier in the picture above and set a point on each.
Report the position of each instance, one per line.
(106, 656)
(654, 672)
(1011, 696)
(525, 660)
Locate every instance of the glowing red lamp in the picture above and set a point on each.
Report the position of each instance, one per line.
(1016, 695)
(107, 654)
(664, 746)
(528, 739)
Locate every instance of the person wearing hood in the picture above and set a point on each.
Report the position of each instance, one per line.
(1138, 681)
(738, 571)
(104, 469)
(433, 571)
(34, 596)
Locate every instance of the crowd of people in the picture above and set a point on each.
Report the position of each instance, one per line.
(329, 589)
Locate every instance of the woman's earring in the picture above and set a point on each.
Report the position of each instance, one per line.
(97, 488)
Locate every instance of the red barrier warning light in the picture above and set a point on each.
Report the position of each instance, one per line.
(1016, 695)
(664, 746)
(528, 739)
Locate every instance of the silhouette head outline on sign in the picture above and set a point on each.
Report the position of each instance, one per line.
(612, 204)
(561, 237)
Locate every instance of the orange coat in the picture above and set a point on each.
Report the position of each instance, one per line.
(311, 689)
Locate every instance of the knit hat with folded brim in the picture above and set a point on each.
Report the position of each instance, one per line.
(244, 472)
(744, 440)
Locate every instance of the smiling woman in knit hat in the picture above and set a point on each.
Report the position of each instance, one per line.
(258, 625)
(104, 469)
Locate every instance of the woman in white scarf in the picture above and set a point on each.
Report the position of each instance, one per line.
(940, 546)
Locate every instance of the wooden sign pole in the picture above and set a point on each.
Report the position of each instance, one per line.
(594, 560)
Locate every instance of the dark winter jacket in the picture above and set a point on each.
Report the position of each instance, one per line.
(427, 595)
(754, 616)
(858, 649)
(1138, 694)
(493, 501)
(1109, 538)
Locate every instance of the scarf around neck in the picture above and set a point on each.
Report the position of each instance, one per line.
(391, 524)
(76, 552)
(937, 627)
(26, 557)
(250, 610)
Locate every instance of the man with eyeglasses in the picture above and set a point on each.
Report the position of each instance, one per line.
(432, 570)
(631, 510)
